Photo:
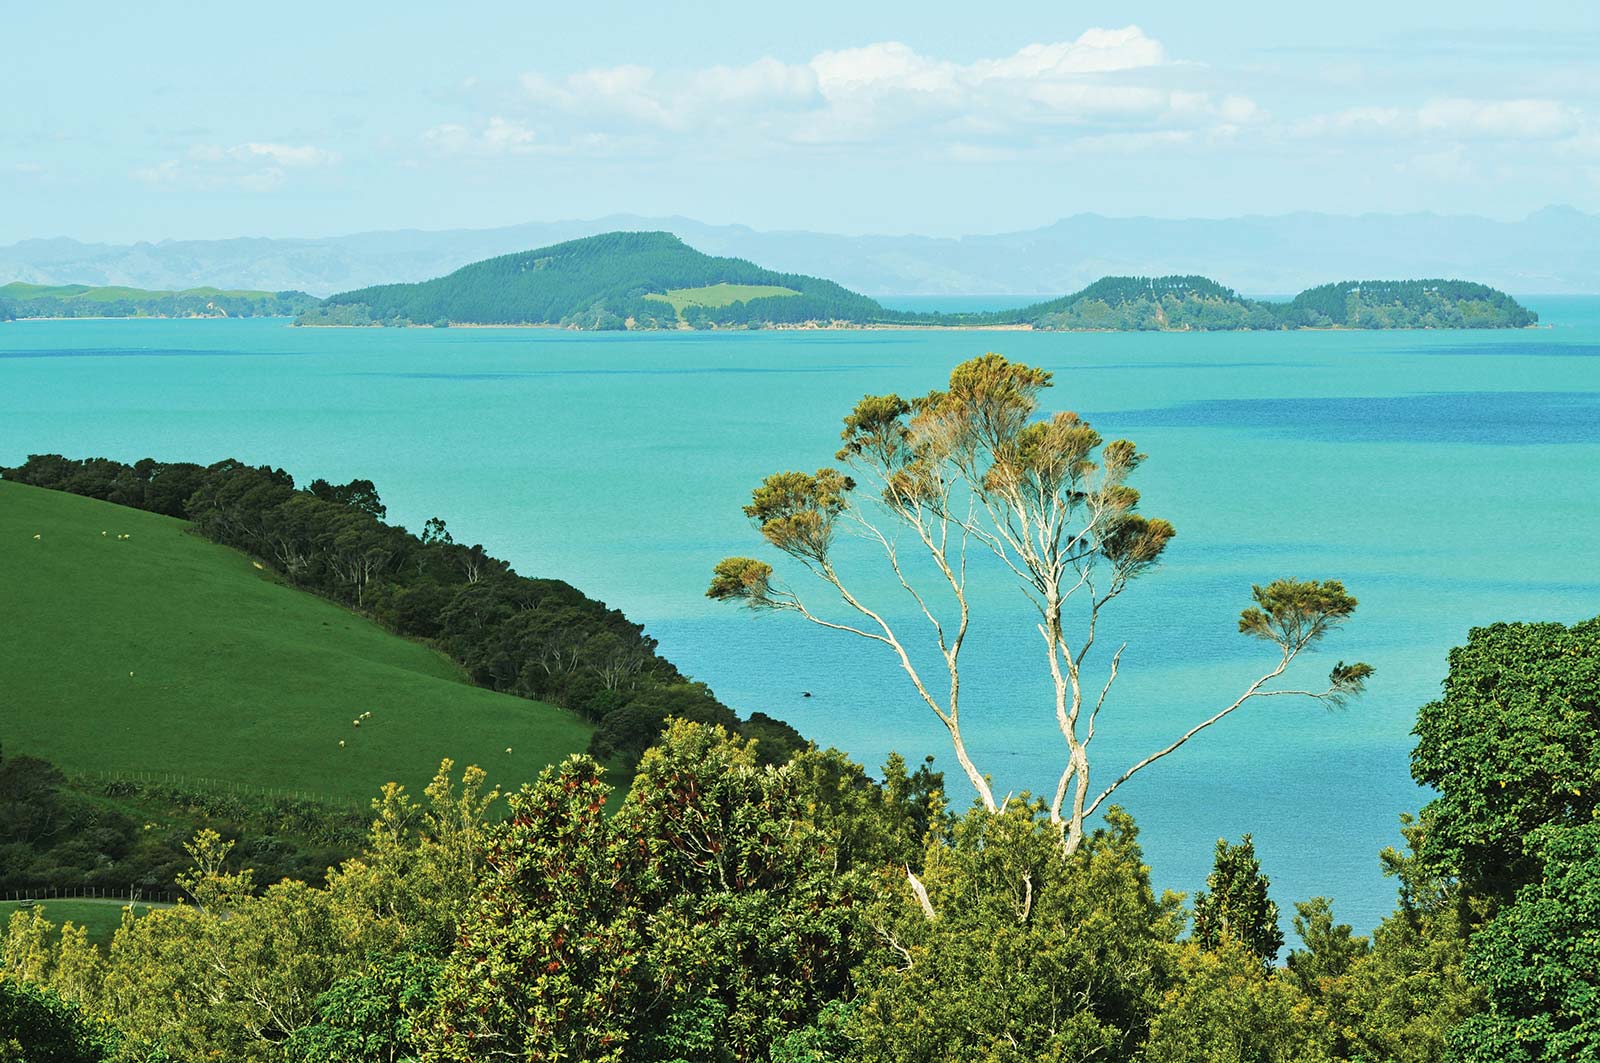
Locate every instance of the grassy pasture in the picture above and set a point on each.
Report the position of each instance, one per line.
(99, 918)
(163, 652)
(715, 295)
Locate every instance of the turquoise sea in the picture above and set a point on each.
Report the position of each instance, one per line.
(1449, 478)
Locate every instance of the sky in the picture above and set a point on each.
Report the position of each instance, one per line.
(175, 121)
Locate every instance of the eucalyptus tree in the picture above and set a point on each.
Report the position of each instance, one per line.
(977, 467)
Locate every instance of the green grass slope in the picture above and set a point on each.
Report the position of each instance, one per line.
(165, 653)
(99, 918)
(719, 295)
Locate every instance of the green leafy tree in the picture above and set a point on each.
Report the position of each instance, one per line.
(372, 1017)
(1399, 1001)
(1226, 1008)
(37, 1026)
(543, 963)
(1513, 746)
(705, 921)
(751, 926)
(1329, 949)
(978, 466)
(231, 976)
(1012, 951)
(1237, 906)
(1320, 968)
(1539, 961)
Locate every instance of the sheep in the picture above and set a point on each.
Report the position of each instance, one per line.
(36, 538)
(341, 743)
(356, 722)
(508, 749)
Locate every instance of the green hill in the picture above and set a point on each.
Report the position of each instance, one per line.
(654, 281)
(1408, 304)
(83, 300)
(164, 653)
(1197, 303)
(612, 281)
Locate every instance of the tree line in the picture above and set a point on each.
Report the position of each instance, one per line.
(734, 911)
(534, 638)
(27, 301)
(122, 834)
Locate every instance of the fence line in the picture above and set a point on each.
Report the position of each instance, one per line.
(225, 786)
(133, 894)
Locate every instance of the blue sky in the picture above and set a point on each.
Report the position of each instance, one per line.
(171, 120)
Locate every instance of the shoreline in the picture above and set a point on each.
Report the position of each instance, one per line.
(889, 326)
(836, 326)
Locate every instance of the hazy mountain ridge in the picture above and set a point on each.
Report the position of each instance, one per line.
(1553, 251)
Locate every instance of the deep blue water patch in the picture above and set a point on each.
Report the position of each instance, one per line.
(1203, 366)
(641, 371)
(1493, 418)
(1509, 349)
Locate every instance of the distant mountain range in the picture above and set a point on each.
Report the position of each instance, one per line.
(1553, 251)
(653, 280)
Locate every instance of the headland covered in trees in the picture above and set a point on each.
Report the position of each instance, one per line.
(19, 300)
(654, 280)
(540, 639)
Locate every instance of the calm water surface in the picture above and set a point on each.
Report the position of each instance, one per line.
(1449, 478)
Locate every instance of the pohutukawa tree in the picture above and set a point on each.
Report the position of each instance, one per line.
(977, 467)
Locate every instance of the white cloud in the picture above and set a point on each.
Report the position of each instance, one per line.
(165, 173)
(497, 136)
(255, 166)
(1105, 81)
(286, 155)
(1452, 118)
(1505, 119)
(1096, 51)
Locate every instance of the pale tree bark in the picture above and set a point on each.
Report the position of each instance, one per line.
(1050, 501)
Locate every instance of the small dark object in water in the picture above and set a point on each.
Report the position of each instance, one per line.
(805, 693)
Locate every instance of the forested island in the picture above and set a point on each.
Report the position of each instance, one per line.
(656, 281)
(1181, 304)
(613, 281)
(19, 300)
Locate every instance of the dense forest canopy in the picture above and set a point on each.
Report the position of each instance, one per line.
(82, 300)
(726, 911)
(1197, 303)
